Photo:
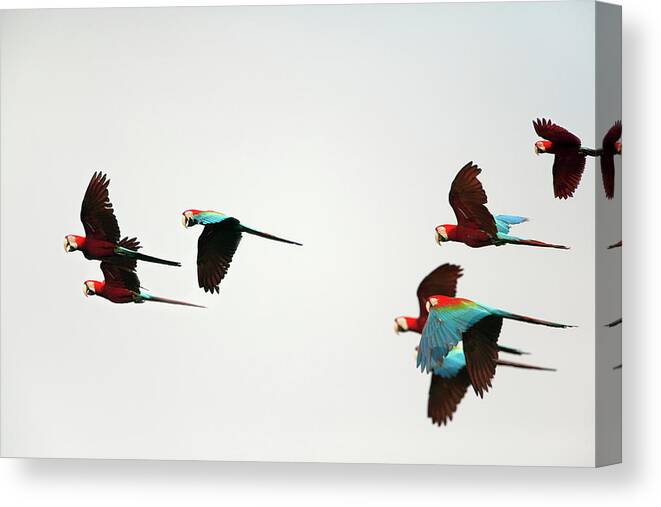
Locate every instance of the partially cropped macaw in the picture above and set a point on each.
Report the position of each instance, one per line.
(101, 240)
(476, 226)
(450, 381)
(218, 243)
(610, 146)
(452, 320)
(121, 285)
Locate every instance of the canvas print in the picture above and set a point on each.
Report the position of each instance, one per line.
(318, 158)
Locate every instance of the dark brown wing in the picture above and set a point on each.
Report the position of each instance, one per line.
(118, 276)
(215, 250)
(555, 133)
(607, 158)
(481, 351)
(96, 212)
(468, 199)
(568, 167)
(442, 281)
(445, 395)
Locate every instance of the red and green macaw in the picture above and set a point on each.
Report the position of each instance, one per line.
(121, 285)
(218, 243)
(450, 381)
(101, 240)
(476, 226)
(569, 160)
(452, 320)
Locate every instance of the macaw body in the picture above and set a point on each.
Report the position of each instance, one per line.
(102, 239)
(476, 226)
(451, 380)
(121, 285)
(452, 320)
(102, 250)
(217, 244)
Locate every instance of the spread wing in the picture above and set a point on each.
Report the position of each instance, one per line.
(118, 276)
(555, 133)
(444, 329)
(215, 249)
(445, 395)
(97, 213)
(468, 199)
(568, 169)
(443, 281)
(481, 351)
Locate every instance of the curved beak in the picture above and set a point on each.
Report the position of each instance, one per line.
(428, 305)
(184, 221)
(66, 244)
(437, 237)
(85, 290)
(396, 327)
(535, 149)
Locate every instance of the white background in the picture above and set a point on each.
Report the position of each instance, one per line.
(61, 482)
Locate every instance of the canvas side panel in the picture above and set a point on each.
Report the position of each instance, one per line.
(608, 256)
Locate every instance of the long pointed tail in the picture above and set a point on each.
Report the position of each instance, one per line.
(530, 242)
(523, 366)
(149, 297)
(509, 350)
(268, 236)
(529, 320)
(147, 258)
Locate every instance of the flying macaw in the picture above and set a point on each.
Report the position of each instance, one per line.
(610, 147)
(101, 240)
(569, 161)
(443, 280)
(217, 244)
(476, 226)
(121, 285)
(450, 381)
(478, 326)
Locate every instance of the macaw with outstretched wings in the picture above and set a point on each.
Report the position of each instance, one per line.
(476, 226)
(101, 240)
(217, 244)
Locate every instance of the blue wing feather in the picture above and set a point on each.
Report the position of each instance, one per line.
(504, 222)
(444, 330)
(209, 217)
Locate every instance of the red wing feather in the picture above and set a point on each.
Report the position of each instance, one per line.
(555, 133)
(568, 169)
(468, 199)
(445, 395)
(118, 276)
(443, 281)
(97, 213)
(481, 351)
(215, 249)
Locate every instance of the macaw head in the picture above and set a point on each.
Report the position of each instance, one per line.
(402, 324)
(188, 217)
(542, 147)
(92, 287)
(73, 242)
(441, 233)
(432, 301)
(618, 147)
